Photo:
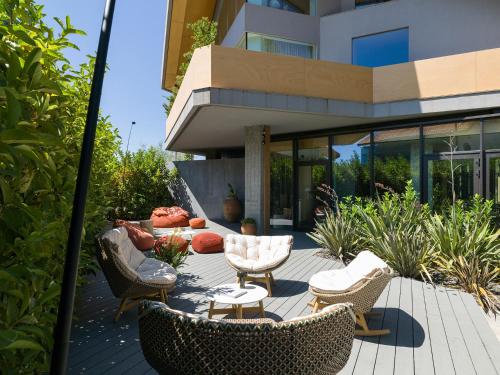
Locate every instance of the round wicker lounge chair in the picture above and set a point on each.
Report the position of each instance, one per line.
(174, 342)
(360, 283)
(130, 274)
(254, 255)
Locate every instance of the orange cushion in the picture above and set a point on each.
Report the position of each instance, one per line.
(197, 223)
(141, 239)
(177, 241)
(207, 242)
(169, 217)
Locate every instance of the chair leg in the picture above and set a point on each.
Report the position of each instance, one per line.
(268, 284)
(163, 296)
(121, 308)
(365, 331)
(315, 305)
(272, 278)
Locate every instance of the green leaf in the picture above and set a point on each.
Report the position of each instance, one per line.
(23, 35)
(24, 344)
(13, 108)
(34, 57)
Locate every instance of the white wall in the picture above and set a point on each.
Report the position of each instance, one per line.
(436, 27)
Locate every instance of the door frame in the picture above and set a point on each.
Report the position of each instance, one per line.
(488, 156)
(472, 155)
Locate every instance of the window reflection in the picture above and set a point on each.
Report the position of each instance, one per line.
(463, 136)
(351, 164)
(281, 184)
(311, 149)
(265, 43)
(397, 159)
(492, 134)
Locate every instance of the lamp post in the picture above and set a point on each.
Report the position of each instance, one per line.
(62, 331)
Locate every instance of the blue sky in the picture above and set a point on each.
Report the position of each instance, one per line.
(131, 89)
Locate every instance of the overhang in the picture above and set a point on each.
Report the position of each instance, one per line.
(227, 89)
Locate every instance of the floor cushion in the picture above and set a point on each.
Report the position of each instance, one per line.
(141, 239)
(170, 217)
(180, 243)
(207, 243)
(197, 223)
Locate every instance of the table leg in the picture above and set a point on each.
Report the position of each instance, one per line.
(239, 311)
(210, 309)
(261, 310)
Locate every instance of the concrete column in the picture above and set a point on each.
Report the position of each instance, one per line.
(257, 179)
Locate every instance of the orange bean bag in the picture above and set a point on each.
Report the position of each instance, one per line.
(180, 243)
(170, 217)
(141, 239)
(207, 243)
(197, 223)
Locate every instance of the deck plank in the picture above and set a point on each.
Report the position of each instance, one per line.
(403, 363)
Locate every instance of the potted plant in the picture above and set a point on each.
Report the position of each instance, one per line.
(248, 226)
(172, 249)
(232, 206)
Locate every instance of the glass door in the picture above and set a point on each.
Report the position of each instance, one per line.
(446, 175)
(493, 181)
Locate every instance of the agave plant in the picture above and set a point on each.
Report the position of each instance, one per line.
(338, 234)
(475, 276)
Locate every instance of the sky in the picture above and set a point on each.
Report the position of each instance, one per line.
(132, 86)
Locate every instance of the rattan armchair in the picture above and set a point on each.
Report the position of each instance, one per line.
(130, 274)
(257, 255)
(174, 342)
(360, 283)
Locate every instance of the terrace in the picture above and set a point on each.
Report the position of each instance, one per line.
(433, 330)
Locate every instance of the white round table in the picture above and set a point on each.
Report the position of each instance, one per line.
(222, 294)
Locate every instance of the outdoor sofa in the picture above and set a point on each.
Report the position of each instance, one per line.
(174, 342)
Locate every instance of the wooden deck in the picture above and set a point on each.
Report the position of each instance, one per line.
(433, 331)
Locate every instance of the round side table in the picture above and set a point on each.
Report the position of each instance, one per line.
(223, 294)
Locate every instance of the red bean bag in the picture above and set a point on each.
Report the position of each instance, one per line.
(170, 217)
(180, 243)
(197, 223)
(141, 239)
(207, 243)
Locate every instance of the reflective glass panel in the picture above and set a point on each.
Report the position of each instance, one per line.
(265, 43)
(463, 136)
(281, 184)
(492, 134)
(351, 164)
(397, 159)
(385, 48)
(311, 149)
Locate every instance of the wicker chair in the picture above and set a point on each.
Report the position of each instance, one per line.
(360, 283)
(254, 255)
(174, 342)
(130, 274)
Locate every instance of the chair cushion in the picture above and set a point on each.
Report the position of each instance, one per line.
(158, 272)
(141, 239)
(340, 281)
(197, 223)
(207, 243)
(257, 253)
(124, 247)
(180, 243)
(170, 217)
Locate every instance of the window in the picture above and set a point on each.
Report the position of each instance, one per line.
(397, 159)
(264, 43)
(281, 184)
(390, 47)
(462, 136)
(363, 3)
(305, 7)
(351, 164)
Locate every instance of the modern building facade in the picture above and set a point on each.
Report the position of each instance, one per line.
(361, 95)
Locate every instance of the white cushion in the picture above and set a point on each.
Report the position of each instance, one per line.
(256, 253)
(155, 271)
(126, 250)
(339, 281)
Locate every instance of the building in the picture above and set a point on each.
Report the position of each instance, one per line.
(359, 94)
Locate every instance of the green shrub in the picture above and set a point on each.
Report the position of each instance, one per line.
(167, 250)
(43, 104)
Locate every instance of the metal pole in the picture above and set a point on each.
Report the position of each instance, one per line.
(62, 329)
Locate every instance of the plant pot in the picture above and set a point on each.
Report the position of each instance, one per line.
(249, 229)
(232, 209)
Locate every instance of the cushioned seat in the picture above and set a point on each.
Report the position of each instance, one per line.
(207, 243)
(170, 217)
(360, 283)
(155, 271)
(257, 254)
(197, 223)
(130, 274)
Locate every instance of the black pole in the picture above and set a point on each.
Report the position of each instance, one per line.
(62, 330)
